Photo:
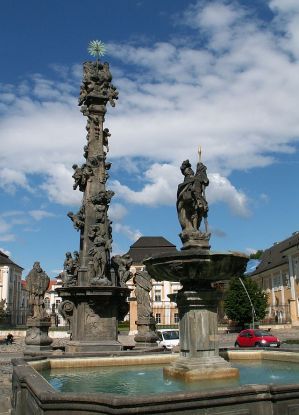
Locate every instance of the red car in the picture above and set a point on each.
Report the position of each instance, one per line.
(256, 338)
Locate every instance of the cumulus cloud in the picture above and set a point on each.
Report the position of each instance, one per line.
(10, 220)
(232, 87)
(131, 234)
(160, 190)
(40, 214)
(163, 187)
(222, 190)
(117, 213)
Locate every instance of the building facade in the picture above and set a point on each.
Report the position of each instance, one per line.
(278, 275)
(11, 289)
(164, 311)
(52, 301)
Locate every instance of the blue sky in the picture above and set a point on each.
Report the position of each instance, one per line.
(220, 74)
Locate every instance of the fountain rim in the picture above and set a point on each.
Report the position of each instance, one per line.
(38, 363)
(195, 253)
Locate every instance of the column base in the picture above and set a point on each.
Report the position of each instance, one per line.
(31, 348)
(192, 369)
(93, 346)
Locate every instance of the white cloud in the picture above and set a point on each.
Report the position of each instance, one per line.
(5, 231)
(160, 190)
(40, 214)
(117, 211)
(59, 186)
(7, 237)
(10, 179)
(163, 184)
(222, 190)
(235, 94)
(131, 234)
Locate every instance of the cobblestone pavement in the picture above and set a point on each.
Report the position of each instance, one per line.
(8, 352)
(15, 350)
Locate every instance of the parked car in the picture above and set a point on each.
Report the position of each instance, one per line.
(168, 338)
(256, 338)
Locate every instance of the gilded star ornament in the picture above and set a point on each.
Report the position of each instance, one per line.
(96, 48)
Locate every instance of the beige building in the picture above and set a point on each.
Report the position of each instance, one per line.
(278, 275)
(164, 311)
(11, 288)
(52, 301)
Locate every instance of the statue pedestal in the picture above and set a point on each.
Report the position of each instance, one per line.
(199, 350)
(193, 239)
(37, 338)
(93, 314)
(146, 336)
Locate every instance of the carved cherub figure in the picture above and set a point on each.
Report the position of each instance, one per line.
(106, 135)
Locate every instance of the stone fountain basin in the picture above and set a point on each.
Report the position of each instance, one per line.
(195, 265)
(33, 394)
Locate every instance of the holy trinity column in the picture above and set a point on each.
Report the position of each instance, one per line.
(94, 285)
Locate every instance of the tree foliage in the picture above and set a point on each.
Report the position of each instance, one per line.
(2, 310)
(256, 255)
(237, 305)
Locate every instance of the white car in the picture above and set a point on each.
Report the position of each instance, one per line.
(168, 338)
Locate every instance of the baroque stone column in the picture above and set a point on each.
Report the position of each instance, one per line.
(94, 291)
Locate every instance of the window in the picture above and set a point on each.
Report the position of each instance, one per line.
(176, 318)
(57, 302)
(276, 282)
(286, 280)
(158, 318)
(47, 303)
(157, 295)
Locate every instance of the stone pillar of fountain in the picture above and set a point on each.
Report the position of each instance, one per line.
(94, 288)
(196, 267)
(199, 346)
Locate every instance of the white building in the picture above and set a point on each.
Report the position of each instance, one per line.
(10, 288)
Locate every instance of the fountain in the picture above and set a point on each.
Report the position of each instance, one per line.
(94, 296)
(196, 267)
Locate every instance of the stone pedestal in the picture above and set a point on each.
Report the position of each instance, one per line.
(146, 336)
(195, 239)
(199, 355)
(93, 314)
(37, 338)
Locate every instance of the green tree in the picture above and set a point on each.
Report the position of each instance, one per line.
(256, 255)
(237, 306)
(2, 311)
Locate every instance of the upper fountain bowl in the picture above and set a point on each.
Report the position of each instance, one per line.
(196, 267)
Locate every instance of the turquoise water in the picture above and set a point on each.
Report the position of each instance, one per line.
(140, 380)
